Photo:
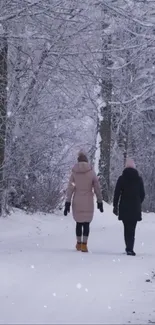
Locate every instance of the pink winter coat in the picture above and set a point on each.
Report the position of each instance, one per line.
(82, 182)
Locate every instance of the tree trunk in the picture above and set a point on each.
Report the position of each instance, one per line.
(3, 108)
(105, 124)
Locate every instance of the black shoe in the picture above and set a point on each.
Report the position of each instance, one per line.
(131, 253)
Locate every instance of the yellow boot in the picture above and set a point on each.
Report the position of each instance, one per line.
(84, 248)
(78, 246)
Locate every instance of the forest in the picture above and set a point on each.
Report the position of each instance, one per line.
(74, 74)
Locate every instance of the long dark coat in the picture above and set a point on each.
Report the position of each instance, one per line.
(129, 195)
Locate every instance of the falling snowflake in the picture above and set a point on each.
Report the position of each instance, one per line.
(54, 294)
(8, 113)
(86, 289)
(32, 266)
(28, 61)
(48, 45)
(45, 306)
(79, 285)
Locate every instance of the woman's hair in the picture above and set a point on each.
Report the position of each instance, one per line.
(82, 157)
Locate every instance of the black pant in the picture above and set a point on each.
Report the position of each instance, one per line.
(129, 234)
(82, 228)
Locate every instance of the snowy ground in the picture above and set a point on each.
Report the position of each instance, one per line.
(44, 280)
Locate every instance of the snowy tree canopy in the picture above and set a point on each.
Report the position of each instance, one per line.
(54, 56)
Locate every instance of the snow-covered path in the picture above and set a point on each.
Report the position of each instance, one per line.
(44, 280)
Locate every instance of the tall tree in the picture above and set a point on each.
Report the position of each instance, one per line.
(105, 106)
(3, 109)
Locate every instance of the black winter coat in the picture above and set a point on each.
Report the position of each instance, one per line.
(129, 195)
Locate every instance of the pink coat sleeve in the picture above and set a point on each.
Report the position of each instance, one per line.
(97, 188)
(70, 189)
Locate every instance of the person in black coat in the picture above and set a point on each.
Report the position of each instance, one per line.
(128, 197)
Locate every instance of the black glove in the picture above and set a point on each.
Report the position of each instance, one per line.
(115, 211)
(100, 206)
(67, 208)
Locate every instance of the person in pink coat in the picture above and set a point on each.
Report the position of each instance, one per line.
(82, 185)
